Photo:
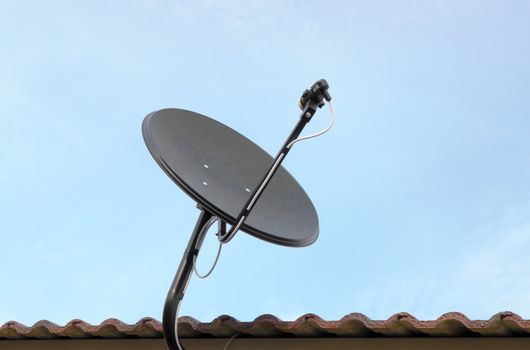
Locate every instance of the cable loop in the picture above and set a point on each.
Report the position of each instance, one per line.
(204, 230)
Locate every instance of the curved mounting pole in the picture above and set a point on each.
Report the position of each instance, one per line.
(180, 282)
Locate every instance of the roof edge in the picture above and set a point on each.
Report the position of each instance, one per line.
(452, 324)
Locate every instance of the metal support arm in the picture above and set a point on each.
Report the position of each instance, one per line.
(311, 100)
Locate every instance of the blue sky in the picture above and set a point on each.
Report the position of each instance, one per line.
(421, 187)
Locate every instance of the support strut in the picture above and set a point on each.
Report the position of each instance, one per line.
(311, 100)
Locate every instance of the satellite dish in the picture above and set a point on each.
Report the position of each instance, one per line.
(234, 182)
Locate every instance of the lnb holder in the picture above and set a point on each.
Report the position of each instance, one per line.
(312, 99)
(315, 95)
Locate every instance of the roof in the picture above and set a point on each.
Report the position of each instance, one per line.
(453, 324)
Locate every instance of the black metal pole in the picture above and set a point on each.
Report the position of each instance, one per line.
(180, 282)
(307, 113)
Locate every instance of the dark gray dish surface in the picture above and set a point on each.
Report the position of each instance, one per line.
(219, 168)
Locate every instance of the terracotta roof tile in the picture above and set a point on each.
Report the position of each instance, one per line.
(453, 324)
